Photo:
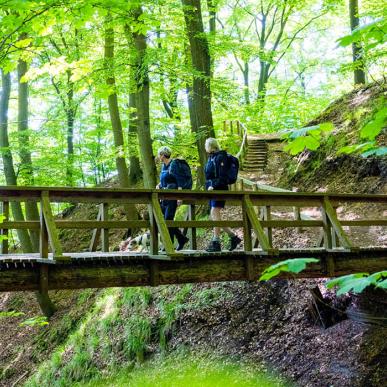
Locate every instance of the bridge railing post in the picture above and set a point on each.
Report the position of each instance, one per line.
(153, 230)
(4, 232)
(192, 230)
(161, 225)
(104, 209)
(269, 230)
(48, 230)
(96, 233)
(43, 239)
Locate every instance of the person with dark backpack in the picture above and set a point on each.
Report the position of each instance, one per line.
(220, 171)
(174, 174)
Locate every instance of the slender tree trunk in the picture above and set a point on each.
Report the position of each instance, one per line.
(32, 212)
(200, 96)
(142, 103)
(135, 173)
(96, 162)
(212, 26)
(9, 171)
(70, 116)
(122, 169)
(357, 52)
(246, 89)
(263, 79)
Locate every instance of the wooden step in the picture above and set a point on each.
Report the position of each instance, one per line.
(256, 156)
(255, 166)
(249, 166)
(256, 153)
(255, 159)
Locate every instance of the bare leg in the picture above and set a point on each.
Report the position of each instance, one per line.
(216, 214)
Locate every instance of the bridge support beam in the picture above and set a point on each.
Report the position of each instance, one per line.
(143, 271)
(46, 305)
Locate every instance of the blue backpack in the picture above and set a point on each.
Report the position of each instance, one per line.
(181, 170)
(232, 169)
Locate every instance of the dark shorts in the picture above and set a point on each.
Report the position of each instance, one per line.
(217, 203)
(214, 203)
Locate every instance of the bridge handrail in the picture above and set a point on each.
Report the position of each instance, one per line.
(143, 196)
(243, 147)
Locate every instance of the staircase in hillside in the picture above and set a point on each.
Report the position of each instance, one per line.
(256, 156)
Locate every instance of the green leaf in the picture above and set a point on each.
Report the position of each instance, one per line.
(290, 265)
(305, 138)
(358, 282)
(34, 321)
(339, 280)
(326, 126)
(382, 284)
(23, 43)
(357, 285)
(11, 313)
(381, 151)
(374, 126)
(356, 148)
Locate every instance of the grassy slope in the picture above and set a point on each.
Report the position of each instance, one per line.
(326, 169)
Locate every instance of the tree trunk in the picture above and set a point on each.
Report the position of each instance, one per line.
(70, 116)
(135, 173)
(246, 89)
(199, 98)
(142, 103)
(212, 26)
(32, 212)
(122, 169)
(357, 52)
(263, 79)
(9, 171)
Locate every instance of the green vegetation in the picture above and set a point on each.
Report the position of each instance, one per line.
(357, 282)
(290, 266)
(184, 369)
(123, 328)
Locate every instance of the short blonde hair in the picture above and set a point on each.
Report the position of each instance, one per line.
(212, 145)
(165, 151)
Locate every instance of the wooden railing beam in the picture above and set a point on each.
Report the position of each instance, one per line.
(330, 213)
(161, 225)
(256, 225)
(4, 231)
(47, 222)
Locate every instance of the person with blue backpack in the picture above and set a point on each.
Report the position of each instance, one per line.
(220, 171)
(174, 174)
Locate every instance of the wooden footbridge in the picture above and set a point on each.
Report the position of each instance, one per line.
(52, 268)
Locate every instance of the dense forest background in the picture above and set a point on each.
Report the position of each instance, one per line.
(92, 88)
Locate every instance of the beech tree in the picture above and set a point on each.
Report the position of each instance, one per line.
(357, 51)
(200, 95)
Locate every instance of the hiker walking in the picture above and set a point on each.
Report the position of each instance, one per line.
(221, 170)
(175, 174)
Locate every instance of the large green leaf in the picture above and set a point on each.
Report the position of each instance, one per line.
(290, 265)
(358, 282)
(380, 151)
(374, 126)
